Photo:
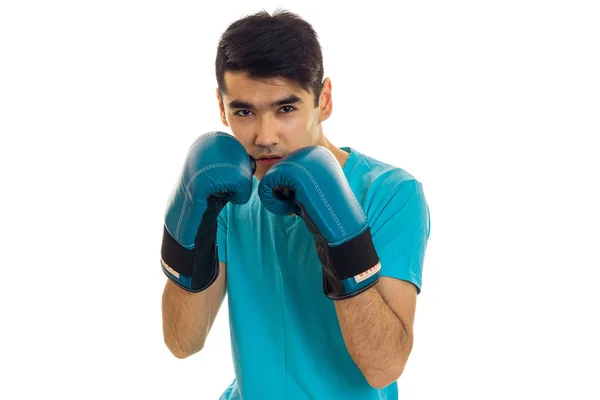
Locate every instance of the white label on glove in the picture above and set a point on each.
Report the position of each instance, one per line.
(368, 273)
(171, 270)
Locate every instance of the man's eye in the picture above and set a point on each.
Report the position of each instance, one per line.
(288, 109)
(243, 113)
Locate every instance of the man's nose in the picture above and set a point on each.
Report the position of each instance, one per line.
(266, 132)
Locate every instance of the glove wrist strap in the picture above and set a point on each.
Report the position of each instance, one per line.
(194, 269)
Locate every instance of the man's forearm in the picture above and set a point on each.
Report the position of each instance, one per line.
(374, 337)
(186, 320)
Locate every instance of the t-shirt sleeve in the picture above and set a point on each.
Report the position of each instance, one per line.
(400, 230)
(222, 234)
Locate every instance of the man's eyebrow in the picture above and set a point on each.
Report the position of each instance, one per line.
(292, 99)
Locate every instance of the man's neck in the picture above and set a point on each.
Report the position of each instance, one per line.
(340, 155)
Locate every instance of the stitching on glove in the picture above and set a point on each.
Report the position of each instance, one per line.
(320, 194)
(187, 187)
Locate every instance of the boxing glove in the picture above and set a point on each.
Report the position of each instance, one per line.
(217, 170)
(310, 182)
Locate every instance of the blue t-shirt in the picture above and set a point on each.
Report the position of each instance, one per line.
(285, 336)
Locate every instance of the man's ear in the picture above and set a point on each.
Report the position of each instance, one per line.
(222, 109)
(325, 101)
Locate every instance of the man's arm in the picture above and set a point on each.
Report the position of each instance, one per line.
(188, 317)
(377, 326)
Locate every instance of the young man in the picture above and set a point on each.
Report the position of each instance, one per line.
(319, 248)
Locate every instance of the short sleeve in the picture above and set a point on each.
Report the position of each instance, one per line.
(222, 233)
(400, 227)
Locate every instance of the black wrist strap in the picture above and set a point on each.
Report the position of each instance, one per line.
(202, 262)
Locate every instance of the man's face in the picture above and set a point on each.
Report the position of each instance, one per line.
(272, 117)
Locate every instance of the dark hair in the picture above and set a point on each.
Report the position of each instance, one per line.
(265, 46)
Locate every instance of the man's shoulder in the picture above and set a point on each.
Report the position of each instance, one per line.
(389, 193)
(374, 176)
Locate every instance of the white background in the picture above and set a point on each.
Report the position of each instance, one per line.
(493, 106)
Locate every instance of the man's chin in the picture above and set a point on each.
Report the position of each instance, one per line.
(260, 172)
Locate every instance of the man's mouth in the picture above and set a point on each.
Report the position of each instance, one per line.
(268, 161)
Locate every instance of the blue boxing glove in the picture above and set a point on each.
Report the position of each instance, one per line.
(217, 170)
(309, 182)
